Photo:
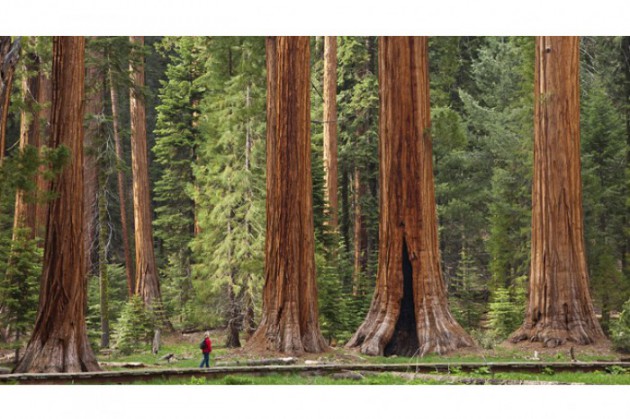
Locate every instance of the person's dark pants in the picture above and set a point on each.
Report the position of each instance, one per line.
(206, 360)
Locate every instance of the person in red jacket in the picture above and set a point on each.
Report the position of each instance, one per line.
(206, 348)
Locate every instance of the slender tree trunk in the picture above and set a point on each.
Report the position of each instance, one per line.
(330, 130)
(121, 184)
(232, 340)
(560, 307)
(360, 233)
(43, 139)
(146, 280)
(409, 312)
(103, 240)
(9, 55)
(93, 110)
(25, 210)
(59, 340)
(290, 316)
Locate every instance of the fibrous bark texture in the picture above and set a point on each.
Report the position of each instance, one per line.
(290, 316)
(409, 312)
(330, 129)
(59, 341)
(560, 307)
(146, 281)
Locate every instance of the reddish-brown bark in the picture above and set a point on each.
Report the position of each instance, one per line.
(409, 312)
(560, 307)
(59, 340)
(146, 281)
(330, 130)
(290, 316)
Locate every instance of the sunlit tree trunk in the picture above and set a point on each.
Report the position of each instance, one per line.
(146, 281)
(409, 312)
(560, 307)
(290, 316)
(59, 340)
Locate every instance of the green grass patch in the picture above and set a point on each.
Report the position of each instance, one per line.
(290, 379)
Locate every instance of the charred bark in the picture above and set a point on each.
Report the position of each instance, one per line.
(409, 312)
(59, 340)
(560, 307)
(290, 316)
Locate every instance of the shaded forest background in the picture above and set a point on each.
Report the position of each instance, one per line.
(205, 101)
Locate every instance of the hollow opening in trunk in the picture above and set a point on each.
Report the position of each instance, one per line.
(404, 341)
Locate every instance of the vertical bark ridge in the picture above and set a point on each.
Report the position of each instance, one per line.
(408, 222)
(146, 280)
(290, 315)
(59, 340)
(560, 307)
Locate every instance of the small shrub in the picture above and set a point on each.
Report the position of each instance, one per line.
(506, 310)
(620, 330)
(135, 326)
(487, 339)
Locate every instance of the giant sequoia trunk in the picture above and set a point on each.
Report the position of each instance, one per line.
(59, 341)
(290, 317)
(409, 312)
(146, 281)
(560, 307)
(330, 129)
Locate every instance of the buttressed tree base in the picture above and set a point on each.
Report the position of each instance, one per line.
(560, 307)
(290, 316)
(409, 314)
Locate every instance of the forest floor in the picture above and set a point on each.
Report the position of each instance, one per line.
(185, 353)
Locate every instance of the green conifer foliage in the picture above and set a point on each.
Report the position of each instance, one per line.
(230, 188)
(177, 138)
